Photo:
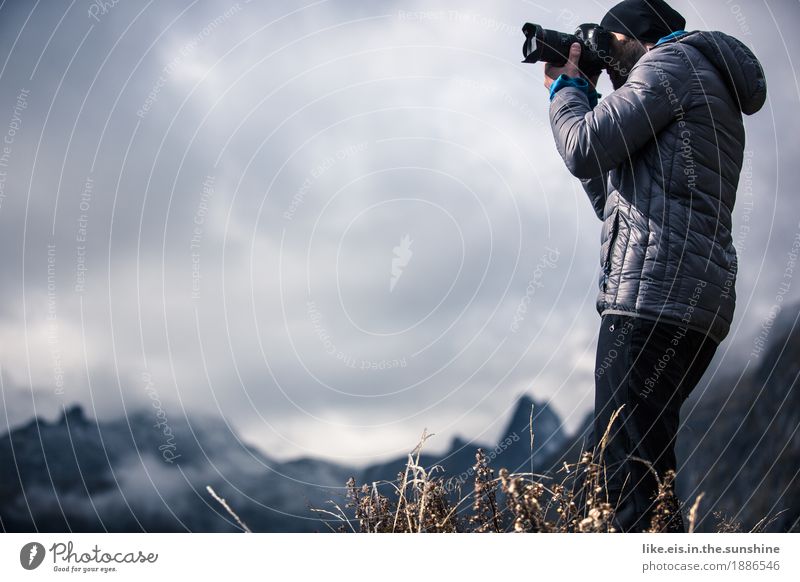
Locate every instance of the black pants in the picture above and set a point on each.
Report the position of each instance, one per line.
(649, 367)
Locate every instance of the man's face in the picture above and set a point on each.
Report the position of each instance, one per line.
(625, 52)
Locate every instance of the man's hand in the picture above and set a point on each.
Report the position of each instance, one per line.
(570, 68)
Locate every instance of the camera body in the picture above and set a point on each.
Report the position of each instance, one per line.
(552, 46)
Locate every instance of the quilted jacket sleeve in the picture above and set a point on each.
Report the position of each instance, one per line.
(596, 190)
(592, 141)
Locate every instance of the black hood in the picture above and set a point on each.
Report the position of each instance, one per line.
(737, 65)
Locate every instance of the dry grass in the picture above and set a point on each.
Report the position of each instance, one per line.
(520, 502)
(228, 509)
(575, 499)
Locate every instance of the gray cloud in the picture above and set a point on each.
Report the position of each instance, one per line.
(363, 124)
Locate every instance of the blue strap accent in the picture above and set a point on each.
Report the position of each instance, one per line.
(577, 82)
(670, 36)
(594, 97)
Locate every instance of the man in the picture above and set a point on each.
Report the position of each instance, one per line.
(660, 159)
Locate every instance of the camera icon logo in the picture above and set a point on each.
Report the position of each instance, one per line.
(31, 555)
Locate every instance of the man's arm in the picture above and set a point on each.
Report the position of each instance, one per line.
(593, 141)
(596, 190)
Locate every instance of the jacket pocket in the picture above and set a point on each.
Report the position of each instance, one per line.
(609, 251)
(612, 239)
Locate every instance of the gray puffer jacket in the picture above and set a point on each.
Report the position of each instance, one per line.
(660, 160)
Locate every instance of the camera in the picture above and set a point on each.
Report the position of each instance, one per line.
(551, 46)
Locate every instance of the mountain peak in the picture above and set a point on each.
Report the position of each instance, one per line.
(522, 410)
(525, 400)
(74, 415)
(546, 423)
(458, 443)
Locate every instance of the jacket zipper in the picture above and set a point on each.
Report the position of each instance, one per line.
(610, 251)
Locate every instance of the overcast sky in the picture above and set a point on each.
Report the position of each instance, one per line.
(324, 221)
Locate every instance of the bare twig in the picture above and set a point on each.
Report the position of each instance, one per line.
(693, 512)
(227, 508)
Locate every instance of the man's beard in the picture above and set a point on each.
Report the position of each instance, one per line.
(626, 54)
